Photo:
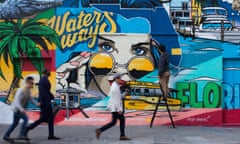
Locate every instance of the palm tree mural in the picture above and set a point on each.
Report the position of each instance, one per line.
(20, 40)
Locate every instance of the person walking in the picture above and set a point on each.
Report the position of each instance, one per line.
(46, 110)
(21, 98)
(163, 70)
(115, 105)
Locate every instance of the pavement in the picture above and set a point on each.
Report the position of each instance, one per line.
(138, 134)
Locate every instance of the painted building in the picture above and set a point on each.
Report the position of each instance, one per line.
(84, 43)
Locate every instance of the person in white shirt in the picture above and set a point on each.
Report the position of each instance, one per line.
(21, 98)
(115, 105)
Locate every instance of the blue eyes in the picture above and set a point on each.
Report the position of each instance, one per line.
(107, 48)
(139, 51)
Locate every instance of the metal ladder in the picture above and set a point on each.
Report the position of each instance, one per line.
(162, 103)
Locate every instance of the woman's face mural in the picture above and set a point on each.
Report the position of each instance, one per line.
(127, 51)
(129, 54)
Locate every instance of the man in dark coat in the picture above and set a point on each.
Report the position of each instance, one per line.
(45, 98)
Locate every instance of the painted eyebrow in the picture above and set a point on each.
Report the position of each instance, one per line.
(140, 44)
(106, 39)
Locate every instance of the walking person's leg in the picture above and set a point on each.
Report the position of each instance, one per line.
(121, 117)
(108, 125)
(22, 133)
(51, 135)
(51, 126)
(14, 124)
(41, 119)
(122, 125)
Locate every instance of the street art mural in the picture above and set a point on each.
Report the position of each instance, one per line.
(24, 40)
(108, 44)
(85, 42)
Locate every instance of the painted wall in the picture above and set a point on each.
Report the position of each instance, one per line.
(85, 42)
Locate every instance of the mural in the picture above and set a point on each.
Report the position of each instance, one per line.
(85, 42)
(109, 42)
(21, 40)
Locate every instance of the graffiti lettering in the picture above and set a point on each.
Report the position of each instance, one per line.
(188, 94)
(231, 96)
(82, 28)
(199, 119)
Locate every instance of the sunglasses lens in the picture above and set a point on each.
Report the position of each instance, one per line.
(101, 64)
(140, 66)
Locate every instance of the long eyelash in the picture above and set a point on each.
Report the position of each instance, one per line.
(144, 48)
(104, 43)
(108, 43)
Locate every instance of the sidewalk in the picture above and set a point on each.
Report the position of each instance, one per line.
(139, 135)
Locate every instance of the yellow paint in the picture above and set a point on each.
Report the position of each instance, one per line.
(196, 11)
(83, 27)
(102, 60)
(141, 64)
(8, 73)
(176, 51)
(147, 102)
(143, 84)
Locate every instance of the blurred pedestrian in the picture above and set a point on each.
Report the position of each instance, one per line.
(115, 105)
(21, 98)
(46, 110)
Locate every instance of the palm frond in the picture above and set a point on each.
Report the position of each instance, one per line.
(15, 57)
(6, 26)
(38, 30)
(4, 48)
(43, 31)
(33, 23)
(23, 44)
(40, 41)
(13, 47)
(16, 65)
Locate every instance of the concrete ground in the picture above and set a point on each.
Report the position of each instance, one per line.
(138, 134)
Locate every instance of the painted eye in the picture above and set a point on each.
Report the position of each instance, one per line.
(139, 51)
(107, 48)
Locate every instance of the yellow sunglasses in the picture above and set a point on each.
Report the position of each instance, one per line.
(103, 63)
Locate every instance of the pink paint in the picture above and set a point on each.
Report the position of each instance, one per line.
(186, 117)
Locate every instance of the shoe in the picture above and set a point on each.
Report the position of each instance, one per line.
(53, 138)
(98, 133)
(7, 138)
(124, 138)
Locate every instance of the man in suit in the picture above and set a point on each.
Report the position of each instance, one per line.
(46, 111)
